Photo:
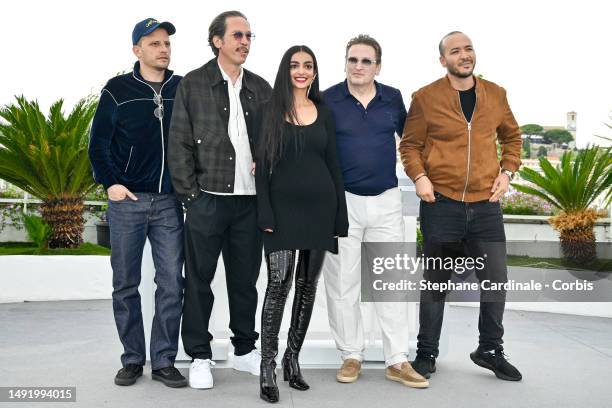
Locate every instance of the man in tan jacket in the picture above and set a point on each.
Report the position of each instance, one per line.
(449, 150)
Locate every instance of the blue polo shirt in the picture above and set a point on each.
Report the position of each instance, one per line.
(366, 137)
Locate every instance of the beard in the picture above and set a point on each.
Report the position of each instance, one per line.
(461, 74)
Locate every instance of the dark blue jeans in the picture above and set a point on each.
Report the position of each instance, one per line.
(158, 217)
(452, 229)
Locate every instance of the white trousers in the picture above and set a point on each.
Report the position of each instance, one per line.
(371, 219)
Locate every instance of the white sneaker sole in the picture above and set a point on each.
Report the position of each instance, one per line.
(201, 385)
(245, 369)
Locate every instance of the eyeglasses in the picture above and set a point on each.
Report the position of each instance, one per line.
(159, 111)
(366, 62)
(239, 35)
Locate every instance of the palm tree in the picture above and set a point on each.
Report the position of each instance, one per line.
(609, 139)
(47, 157)
(572, 186)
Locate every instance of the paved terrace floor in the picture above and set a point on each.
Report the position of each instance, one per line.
(566, 361)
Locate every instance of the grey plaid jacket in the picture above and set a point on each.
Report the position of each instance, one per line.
(200, 153)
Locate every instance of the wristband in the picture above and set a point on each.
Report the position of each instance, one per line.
(419, 177)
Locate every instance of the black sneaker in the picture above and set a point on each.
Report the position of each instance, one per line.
(495, 360)
(424, 365)
(128, 374)
(169, 376)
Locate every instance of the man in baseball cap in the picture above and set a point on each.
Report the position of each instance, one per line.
(147, 26)
(127, 149)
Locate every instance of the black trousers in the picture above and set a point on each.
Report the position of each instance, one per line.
(218, 224)
(458, 229)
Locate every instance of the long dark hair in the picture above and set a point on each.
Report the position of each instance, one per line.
(281, 106)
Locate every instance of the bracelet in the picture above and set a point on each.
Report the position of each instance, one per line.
(419, 177)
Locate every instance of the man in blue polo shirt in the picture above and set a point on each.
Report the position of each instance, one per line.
(368, 117)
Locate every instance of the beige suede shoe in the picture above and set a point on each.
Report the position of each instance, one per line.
(406, 376)
(349, 372)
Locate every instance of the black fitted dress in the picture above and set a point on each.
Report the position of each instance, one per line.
(302, 199)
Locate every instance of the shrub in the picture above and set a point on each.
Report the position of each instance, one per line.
(518, 203)
(38, 230)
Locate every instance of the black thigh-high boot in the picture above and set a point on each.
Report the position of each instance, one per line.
(280, 271)
(309, 269)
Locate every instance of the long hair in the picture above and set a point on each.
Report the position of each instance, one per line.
(281, 107)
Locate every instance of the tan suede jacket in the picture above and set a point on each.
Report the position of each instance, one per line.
(460, 158)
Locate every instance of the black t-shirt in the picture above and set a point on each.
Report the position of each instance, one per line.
(468, 102)
(156, 85)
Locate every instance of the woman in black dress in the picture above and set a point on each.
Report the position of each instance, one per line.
(301, 206)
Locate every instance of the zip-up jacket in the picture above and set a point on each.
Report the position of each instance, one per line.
(128, 143)
(460, 157)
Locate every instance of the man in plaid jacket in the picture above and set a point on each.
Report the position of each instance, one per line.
(211, 164)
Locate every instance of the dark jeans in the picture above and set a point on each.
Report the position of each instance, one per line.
(451, 229)
(160, 218)
(218, 224)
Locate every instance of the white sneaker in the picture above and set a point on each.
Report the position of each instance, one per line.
(249, 362)
(200, 375)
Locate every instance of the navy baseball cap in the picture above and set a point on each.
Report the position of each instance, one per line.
(147, 26)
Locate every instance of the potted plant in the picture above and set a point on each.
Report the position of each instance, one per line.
(102, 229)
(572, 186)
(47, 157)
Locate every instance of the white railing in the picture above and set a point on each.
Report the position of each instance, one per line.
(29, 200)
